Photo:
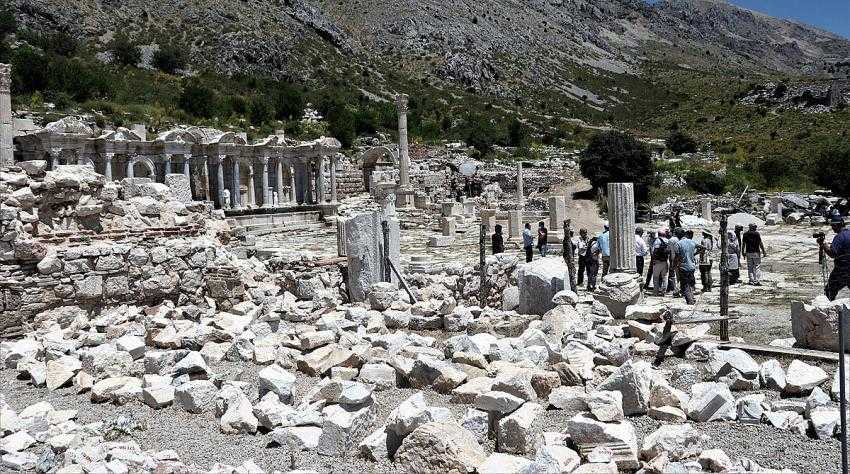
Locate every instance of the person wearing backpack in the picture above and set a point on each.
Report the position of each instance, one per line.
(591, 263)
(661, 261)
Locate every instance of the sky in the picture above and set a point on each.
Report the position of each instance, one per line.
(830, 15)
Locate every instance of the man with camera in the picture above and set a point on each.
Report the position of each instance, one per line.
(839, 251)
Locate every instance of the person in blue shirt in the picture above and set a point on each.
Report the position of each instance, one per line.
(685, 263)
(839, 251)
(604, 242)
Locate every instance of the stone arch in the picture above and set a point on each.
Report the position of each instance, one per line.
(373, 158)
(146, 163)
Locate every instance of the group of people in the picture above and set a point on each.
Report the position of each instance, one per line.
(673, 257)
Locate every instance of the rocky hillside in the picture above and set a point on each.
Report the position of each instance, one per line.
(586, 50)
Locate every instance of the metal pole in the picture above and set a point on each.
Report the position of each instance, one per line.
(724, 280)
(841, 388)
(385, 227)
(482, 261)
(568, 255)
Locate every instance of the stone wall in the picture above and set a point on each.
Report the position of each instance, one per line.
(186, 271)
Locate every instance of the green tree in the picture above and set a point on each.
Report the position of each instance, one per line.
(482, 134)
(832, 167)
(288, 102)
(8, 23)
(260, 110)
(679, 142)
(616, 157)
(197, 99)
(341, 124)
(169, 58)
(517, 134)
(124, 51)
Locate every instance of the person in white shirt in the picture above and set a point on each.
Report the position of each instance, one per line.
(706, 260)
(641, 249)
(580, 246)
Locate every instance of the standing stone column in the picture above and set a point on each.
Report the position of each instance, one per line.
(520, 195)
(333, 179)
(776, 206)
(403, 149)
(130, 163)
(187, 165)
(320, 180)
(107, 165)
(55, 153)
(514, 225)
(252, 192)
(293, 198)
(706, 209)
(167, 165)
(279, 180)
(220, 180)
(557, 212)
(7, 157)
(207, 191)
(621, 217)
(235, 198)
(310, 176)
(267, 199)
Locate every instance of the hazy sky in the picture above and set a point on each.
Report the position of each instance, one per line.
(830, 15)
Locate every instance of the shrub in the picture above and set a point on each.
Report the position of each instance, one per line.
(832, 167)
(124, 51)
(704, 181)
(482, 134)
(288, 102)
(8, 23)
(197, 99)
(517, 133)
(260, 110)
(614, 156)
(341, 124)
(679, 142)
(170, 58)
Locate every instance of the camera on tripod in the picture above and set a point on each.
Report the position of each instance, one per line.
(819, 236)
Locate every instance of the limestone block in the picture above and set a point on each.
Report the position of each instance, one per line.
(618, 291)
(440, 447)
(539, 281)
(180, 187)
(815, 326)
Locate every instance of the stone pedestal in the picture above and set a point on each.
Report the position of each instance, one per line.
(515, 225)
(618, 291)
(363, 248)
(538, 282)
(621, 218)
(557, 213)
(448, 226)
(421, 201)
(451, 208)
(6, 129)
(705, 206)
(776, 206)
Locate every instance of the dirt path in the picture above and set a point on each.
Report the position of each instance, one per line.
(583, 212)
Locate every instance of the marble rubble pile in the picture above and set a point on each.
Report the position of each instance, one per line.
(576, 357)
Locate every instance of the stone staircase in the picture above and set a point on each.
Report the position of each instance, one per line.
(265, 224)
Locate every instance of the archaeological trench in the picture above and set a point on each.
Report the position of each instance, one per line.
(187, 301)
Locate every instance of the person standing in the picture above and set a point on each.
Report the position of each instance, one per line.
(678, 234)
(660, 259)
(732, 255)
(641, 249)
(542, 239)
(528, 242)
(685, 260)
(650, 238)
(604, 242)
(580, 246)
(839, 250)
(592, 263)
(498, 240)
(706, 252)
(739, 229)
(753, 248)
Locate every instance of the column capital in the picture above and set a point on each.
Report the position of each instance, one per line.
(109, 156)
(265, 159)
(5, 78)
(56, 151)
(401, 101)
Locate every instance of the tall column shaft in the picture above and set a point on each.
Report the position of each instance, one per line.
(309, 175)
(333, 179)
(279, 180)
(236, 198)
(130, 163)
(166, 166)
(403, 152)
(267, 193)
(293, 198)
(207, 191)
(55, 153)
(187, 167)
(107, 165)
(252, 192)
(520, 193)
(220, 181)
(7, 157)
(621, 218)
(320, 180)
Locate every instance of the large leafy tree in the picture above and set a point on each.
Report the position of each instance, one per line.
(679, 142)
(832, 167)
(616, 157)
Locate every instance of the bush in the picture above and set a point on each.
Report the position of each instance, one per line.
(704, 181)
(341, 124)
(8, 23)
(616, 157)
(774, 171)
(124, 51)
(679, 142)
(832, 167)
(482, 134)
(288, 102)
(517, 134)
(170, 58)
(260, 110)
(197, 99)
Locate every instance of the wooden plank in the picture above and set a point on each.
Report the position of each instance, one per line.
(785, 351)
(700, 318)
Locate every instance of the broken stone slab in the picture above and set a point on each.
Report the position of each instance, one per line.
(276, 379)
(538, 282)
(429, 371)
(555, 458)
(772, 375)
(477, 422)
(133, 344)
(750, 408)
(711, 401)
(826, 422)
(801, 378)
(568, 398)
(380, 445)
(239, 416)
(159, 396)
(469, 391)
(787, 420)
(606, 405)
(498, 402)
(587, 433)
(299, 438)
(815, 326)
(195, 396)
(440, 447)
(119, 390)
(414, 412)
(678, 441)
(59, 372)
(514, 433)
(321, 360)
(501, 463)
(645, 312)
(715, 460)
(722, 362)
(663, 394)
(634, 380)
(667, 413)
(381, 375)
(342, 426)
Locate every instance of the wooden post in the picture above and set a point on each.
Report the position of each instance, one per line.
(724, 281)
(385, 227)
(482, 261)
(569, 257)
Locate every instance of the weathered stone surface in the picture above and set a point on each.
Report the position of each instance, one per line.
(179, 186)
(320, 361)
(634, 380)
(678, 441)
(477, 422)
(771, 375)
(815, 326)
(441, 375)
(515, 430)
(195, 396)
(539, 281)
(276, 379)
(342, 427)
(801, 377)
(606, 405)
(584, 430)
(499, 402)
(500, 463)
(618, 291)
(711, 401)
(301, 438)
(440, 447)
